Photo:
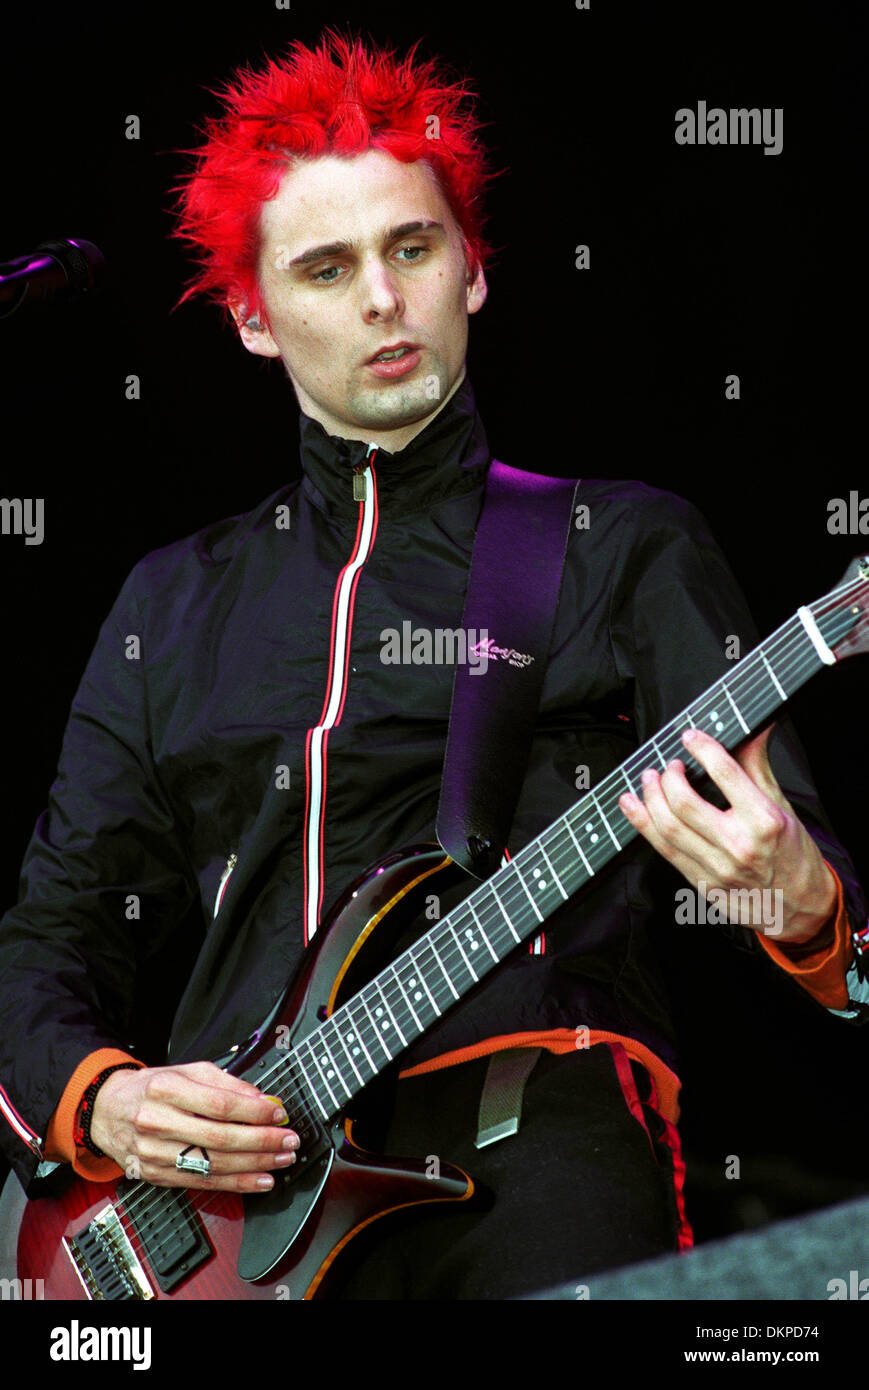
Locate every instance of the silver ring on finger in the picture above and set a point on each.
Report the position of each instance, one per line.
(194, 1165)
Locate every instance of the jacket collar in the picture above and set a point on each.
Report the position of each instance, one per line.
(449, 457)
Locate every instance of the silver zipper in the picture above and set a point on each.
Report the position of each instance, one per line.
(230, 865)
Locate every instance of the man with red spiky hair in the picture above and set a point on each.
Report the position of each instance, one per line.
(336, 209)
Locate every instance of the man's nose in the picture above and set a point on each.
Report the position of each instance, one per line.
(380, 291)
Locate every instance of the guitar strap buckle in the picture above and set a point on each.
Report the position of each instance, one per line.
(503, 1092)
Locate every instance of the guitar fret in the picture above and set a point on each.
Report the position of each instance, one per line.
(578, 846)
(615, 841)
(444, 971)
(421, 974)
(413, 984)
(377, 1033)
(540, 879)
(392, 1016)
(492, 952)
(504, 913)
(745, 728)
(773, 677)
(654, 744)
(317, 1063)
(347, 1051)
(462, 949)
(406, 999)
(552, 871)
(528, 893)
(360, 1038)
(311, 1087)
(381, 1002)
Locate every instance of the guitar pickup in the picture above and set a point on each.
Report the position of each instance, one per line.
(171, 1234)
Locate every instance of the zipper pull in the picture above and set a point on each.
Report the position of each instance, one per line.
(360, 486)
(224, 879)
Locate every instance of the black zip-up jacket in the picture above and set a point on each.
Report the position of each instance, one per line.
(190, 741)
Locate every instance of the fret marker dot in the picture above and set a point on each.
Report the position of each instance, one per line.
(713, 714)
(589, 826)
(378, 1012)
(412, 983)
(418, 994)
(330, 1072)
(594, 839)
(542, 883)
(356, 1052)
(536, 873)
(385, 1024)
(718, 727)
(349, 1037)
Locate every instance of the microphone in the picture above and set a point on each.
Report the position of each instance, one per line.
(62, 268)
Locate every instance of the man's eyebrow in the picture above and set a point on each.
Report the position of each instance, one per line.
(337, 248)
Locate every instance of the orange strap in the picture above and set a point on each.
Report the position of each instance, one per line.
(566, 1040)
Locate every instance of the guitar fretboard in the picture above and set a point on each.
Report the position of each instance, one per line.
(369, 1031)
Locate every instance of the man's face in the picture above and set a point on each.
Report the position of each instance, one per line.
(331, 310)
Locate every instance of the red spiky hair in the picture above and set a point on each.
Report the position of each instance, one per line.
(341, 98)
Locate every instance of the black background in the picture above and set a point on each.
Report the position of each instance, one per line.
(704, 262)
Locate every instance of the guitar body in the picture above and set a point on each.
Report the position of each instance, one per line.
(131, 1239)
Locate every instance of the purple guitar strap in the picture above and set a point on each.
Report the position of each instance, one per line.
(509, 615)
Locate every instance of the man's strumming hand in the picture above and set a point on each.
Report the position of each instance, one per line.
(143, 1119)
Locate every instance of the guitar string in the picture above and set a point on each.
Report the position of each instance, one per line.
(284, 1068)
(744, 697)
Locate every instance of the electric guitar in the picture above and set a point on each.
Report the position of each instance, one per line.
(345, 1019)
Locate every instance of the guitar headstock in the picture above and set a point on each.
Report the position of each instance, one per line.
(842, 615)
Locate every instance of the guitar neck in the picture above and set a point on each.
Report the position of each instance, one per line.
(364, 1035)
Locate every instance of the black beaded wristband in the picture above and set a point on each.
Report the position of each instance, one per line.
(82, 1130)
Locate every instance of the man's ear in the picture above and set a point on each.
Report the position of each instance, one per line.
(477, 289)
(253, 333)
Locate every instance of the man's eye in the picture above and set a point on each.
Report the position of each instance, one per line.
(325, 271)
(413, 248)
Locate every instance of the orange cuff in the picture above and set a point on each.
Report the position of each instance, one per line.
(822, 972)
(60, 1145)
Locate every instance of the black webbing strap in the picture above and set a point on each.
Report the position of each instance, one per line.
(503, 1091)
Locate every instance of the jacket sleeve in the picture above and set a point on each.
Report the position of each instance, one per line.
(678, 622)
(104, 878)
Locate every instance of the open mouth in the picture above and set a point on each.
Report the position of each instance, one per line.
(394, 362)
(392, 355)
